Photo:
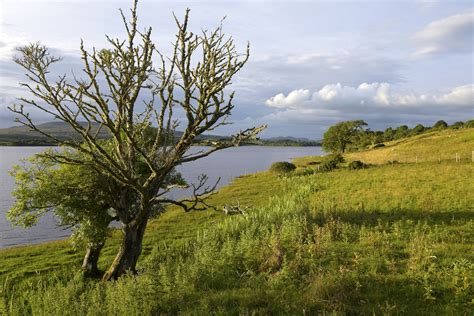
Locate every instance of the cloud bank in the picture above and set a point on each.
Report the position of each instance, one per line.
(369, 95)
(375, 102)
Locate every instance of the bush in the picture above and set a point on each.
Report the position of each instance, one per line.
(336, 158)
(356, 164)
(331, 162)
(282, 167)
(457, 125)
(469, 124)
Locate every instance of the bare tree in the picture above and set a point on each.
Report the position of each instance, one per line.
(192, 81)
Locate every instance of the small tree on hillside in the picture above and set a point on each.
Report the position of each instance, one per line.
(338, 137)
(440, 125)
(388, 134)
(401, 132)
(192, 81)
(418, 129)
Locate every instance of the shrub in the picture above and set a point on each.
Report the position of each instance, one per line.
(457, 125)
(356, 164)
(336, 158)
(469, 124)
(282, 167)
(331, 162)
(440, 125)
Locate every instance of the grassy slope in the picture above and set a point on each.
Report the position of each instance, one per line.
(433, 198)
(431, 146)
(172, 228)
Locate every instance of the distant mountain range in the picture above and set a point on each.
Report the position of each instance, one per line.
(23, 136)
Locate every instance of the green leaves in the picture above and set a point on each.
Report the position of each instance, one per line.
(338, 137)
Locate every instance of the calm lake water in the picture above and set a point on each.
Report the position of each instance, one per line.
(226, 164)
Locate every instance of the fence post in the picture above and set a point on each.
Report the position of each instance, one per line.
(416, 159)
(473, 156)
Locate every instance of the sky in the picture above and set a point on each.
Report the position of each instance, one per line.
(312, 63)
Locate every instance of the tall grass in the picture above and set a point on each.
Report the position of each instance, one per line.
(387, 240)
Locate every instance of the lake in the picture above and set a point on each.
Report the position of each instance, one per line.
(226, 165)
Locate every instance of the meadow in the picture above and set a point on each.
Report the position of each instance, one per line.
(431, 146)
(393, 238)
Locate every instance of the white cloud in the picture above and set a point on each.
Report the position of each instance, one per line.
(463, 95)
(453, 34)
(8, 45)
(369, 96)
(293, 98)
(377, 103)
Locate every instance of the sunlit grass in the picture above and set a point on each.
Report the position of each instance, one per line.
(431, 146)
(393, 238)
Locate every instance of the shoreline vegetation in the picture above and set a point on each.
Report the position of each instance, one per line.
(395, 236)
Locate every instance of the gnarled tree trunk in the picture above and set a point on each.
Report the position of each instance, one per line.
(129, 252)
(89, 265)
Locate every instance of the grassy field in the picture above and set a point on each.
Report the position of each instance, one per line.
(431, 146)
(428, 147)
(389, 239)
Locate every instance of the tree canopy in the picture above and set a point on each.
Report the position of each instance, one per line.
(79, 197)
(338, 137)
(440, 124)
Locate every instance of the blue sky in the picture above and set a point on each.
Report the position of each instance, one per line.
(313, 63)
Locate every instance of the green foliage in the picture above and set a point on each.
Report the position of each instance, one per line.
(331, 162)
(401, 132)
(79, 196)
(469, 124)
(418, 129)
(356, 164)
(76, 194)
(360, 139)
(457, 125)
(282, 167)
(388, 134)
(338, 137)
(440, 125)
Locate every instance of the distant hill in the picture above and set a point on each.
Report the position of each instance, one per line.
(289, 138)
(23, 136)
(290, 141)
